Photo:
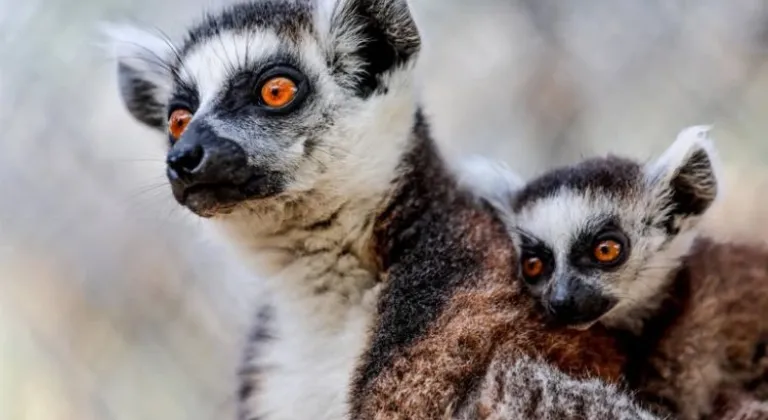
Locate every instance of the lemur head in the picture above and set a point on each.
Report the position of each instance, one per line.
(598, 240)
(276, 102)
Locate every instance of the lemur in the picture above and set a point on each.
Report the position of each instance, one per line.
(295, 129)
(611, 241)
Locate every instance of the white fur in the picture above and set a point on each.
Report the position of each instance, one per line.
(209, 65)
(144, 52)
(137, 47)
(488, 178)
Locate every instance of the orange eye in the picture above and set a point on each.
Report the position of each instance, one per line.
(533, 267)
(278, 92)
(178, 122)
(607, 251)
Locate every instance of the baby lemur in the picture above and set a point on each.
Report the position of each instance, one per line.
(613, 241)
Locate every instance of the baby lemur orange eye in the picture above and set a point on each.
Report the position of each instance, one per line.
(278, 91)
(607, 251)
(533, 266)
(178, 122)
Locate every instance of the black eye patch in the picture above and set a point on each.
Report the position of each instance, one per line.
(595, 236)
(241, 96)
(534, 250)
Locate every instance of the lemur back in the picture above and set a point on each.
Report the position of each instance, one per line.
(611, 242)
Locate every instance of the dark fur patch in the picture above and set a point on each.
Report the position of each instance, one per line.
(415, 227)
(452, 301)
(381, 50)
(140, 97)
(250, 370)
(611, 175)
(691, 191)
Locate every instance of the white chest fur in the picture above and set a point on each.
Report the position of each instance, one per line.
(322, 303)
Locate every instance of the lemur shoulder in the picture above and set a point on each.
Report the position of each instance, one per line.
(612, 242)
(294, 128)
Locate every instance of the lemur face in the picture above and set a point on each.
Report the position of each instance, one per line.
(599, 238)
(271, 99)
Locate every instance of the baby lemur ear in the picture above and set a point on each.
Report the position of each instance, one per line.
(368, 38)
(143, 71)
(685, 180)
(490, 181)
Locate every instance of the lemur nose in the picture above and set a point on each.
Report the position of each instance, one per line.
(563, 306)
(185, 159)
(573, 302)
(200, 156)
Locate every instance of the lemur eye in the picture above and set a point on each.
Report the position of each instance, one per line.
(607, 251)
(278, 92)
(533, 267)
(178, 122)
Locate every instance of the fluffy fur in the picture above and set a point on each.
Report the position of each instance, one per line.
(334, 200)
(693, 312)
(524, 388)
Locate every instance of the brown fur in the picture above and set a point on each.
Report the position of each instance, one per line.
(710, 335)
(433, 372)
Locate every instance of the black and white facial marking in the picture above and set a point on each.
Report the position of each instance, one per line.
(597, 240)
(276, 99)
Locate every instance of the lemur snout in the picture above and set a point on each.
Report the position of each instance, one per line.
(573, 301)
(209, 173)
(202, 157)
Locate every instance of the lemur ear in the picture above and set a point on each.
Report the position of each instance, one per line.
(368, 38)
(491, 181)
(143, 71)
(685, 180)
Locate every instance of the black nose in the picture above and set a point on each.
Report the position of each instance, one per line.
(574, 301)
(202, 157)
(185, 159)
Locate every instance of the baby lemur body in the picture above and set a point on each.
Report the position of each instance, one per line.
(613, 241)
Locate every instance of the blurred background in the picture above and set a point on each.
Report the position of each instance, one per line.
(114, 305)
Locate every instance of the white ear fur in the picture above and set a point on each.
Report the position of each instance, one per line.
(137, 48)
(489, 179)
(325, 10)
(144, 69)
(687, 176)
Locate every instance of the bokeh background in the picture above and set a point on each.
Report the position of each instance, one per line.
(114, 305)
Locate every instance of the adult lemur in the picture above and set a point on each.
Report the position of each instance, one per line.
(614, 241)
(293, 126)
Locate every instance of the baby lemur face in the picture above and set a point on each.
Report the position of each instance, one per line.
(598, 240)
(275, 98)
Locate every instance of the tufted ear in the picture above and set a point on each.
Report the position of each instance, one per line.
(368, 38)
(490, 181)
(685, 180)
(144, 71)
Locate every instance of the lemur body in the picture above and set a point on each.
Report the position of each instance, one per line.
(613, 242)
(294, 128)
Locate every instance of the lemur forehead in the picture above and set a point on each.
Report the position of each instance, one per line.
(558, 219)
(287, 19)
(609, 176)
